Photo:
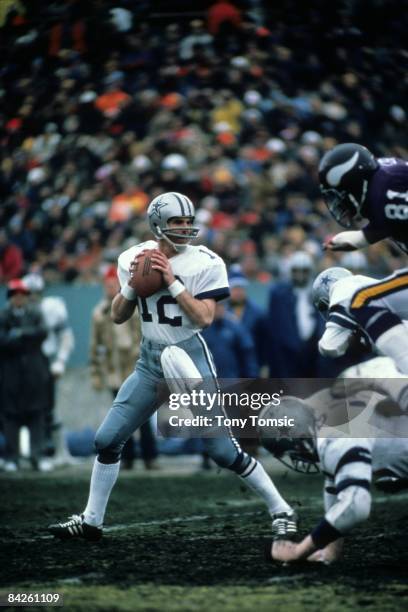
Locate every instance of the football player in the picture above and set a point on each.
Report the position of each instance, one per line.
(356, 185)
(362, 308)
(172, 347)
(349, 464)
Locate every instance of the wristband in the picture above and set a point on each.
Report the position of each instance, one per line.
(128, 293)
(176, 288)
(324, 533)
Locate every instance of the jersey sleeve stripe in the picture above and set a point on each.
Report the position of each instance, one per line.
(216, 294)
(382, 323)
(342, 321)
(357, 454)
(381, 289)
(353, 482)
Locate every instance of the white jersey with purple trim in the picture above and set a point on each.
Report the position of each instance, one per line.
(201, 271)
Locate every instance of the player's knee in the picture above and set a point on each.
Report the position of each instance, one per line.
(107, 456)
(221, 454)
(241, 464)
(106, 451)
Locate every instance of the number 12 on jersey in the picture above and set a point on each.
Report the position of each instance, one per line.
(163, 319)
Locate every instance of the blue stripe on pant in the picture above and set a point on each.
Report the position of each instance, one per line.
(137, 400)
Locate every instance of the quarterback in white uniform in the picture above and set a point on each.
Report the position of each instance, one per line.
(375, 310)
(194, 279)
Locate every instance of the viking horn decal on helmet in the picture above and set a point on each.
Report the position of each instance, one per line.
(336, 173)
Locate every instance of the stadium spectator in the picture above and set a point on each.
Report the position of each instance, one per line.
(292, 324)
(290, 90)
(223, 12)
(246, 311)
(23, 372)
(113, 352)
(57, 348)
(231, 346)
(11, 259)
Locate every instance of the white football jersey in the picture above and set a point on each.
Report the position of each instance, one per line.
(354, 459)
(202, 272)
(390, 293)
(59, 342)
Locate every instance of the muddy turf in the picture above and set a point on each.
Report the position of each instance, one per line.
(192, 542)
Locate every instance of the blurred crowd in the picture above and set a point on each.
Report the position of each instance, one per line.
(106, 103)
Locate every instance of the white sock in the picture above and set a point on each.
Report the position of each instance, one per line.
(103, 478)
(258, 480)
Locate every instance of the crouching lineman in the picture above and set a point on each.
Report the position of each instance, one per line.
(349, 465)
(171, 319)
(357, 306)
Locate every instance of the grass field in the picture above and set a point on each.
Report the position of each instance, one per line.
(192, 541)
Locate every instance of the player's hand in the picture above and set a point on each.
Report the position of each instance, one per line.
(160, 262)
(57, 368)
(329, 554)
(284, 551)
(319, 557)
(337, 243)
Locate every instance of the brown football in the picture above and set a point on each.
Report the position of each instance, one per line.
(143, 279)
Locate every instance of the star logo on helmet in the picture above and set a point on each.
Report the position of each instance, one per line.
(157, 206)
(325, 281)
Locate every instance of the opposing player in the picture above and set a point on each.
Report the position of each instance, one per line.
(172, 347)
(357, 306)
(349, 464)
(357, 185)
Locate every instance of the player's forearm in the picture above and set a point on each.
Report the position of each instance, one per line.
(122, 308)
(199, 312)
(334, 342)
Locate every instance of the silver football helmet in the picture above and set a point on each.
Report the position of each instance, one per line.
(323, 284)
(294, 446)
(165, 207)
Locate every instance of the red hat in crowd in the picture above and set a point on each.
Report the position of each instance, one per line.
(110, 273)
(17, 285)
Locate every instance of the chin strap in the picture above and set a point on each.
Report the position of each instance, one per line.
(180, 248)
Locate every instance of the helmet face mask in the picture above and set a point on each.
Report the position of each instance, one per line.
(297, 454)
(169, 206)
(341, 206)
(294, 446)
(344, 173)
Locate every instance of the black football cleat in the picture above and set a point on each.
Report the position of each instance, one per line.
(75, 527)
(284, 525)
